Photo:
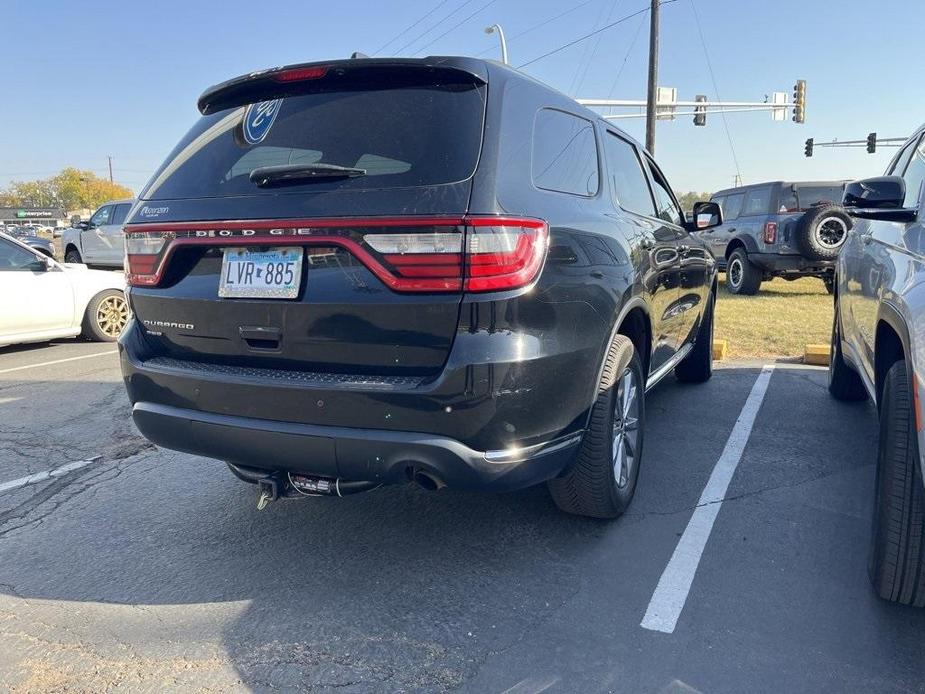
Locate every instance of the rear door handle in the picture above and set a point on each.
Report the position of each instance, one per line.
(258, 337)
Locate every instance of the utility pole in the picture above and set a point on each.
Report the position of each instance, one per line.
(653, 76)
(110, 168)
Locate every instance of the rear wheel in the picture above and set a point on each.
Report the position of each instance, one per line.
(844, 382)
(602, 480)
(105, 317)
(897, 551)
(742, 276)
(697, 366)
(72, 255)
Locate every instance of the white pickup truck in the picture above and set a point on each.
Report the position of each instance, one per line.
(100, 241)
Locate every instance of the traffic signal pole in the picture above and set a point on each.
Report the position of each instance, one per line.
(651, 95)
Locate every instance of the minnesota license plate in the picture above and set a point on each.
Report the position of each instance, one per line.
(271, 274)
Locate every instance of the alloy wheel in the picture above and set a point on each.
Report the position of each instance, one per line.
(831, 232)
(112, 315)
(735, 272)
(625, 428)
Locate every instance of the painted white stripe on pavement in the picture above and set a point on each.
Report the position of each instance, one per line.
(675, 584)
(57, 361)
(48, 474)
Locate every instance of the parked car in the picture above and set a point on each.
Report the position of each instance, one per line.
(878, 351)
(405, 278)
(26, 236)
(99, 242)
(778, 229)
(56, 300)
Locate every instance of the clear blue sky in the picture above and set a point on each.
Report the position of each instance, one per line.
(82, 80)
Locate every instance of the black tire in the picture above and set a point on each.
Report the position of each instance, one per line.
(897, 551)
(844, 382)
(591, 487)
(72, 255)
(821, 232)
(742, 276)
(697, 366)
(105, 317)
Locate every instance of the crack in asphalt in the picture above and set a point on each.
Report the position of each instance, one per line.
(747, 494)
(63, 489)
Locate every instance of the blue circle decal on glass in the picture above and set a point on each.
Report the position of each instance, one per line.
(259, 119)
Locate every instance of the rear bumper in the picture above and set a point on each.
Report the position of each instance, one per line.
(354, 454)
(790, 263)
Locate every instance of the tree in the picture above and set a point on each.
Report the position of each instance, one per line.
(687, 200)
(71, 189)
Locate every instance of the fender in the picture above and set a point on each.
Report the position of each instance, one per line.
(634, 302)
(751, 246)
(889, 314)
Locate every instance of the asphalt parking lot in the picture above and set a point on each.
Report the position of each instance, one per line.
(141, 569)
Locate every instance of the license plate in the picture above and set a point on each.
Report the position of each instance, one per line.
(272, 274)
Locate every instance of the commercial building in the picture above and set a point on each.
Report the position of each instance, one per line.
(44, 216)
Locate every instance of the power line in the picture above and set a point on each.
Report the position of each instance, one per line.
(597, 43)
(538, 26)
(457, 25)
(588, 35)
(706, 55)
(431, 28)
(626, 57)
(410, 26)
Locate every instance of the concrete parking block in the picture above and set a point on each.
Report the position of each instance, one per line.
(816, 354)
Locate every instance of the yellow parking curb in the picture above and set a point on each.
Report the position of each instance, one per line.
(816, 354)
(720, 349)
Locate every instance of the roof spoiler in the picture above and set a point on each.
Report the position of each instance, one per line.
(278, 82)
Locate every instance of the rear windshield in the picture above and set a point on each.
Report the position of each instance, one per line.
(402, 136)
(801, 198)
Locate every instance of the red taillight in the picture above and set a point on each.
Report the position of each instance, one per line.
(770, 232)
(300, 74)
(411, 254)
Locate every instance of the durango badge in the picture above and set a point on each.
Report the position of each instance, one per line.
(258, 119)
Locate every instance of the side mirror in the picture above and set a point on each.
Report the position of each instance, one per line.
(880, 198)
(707, 215)
(83, 226)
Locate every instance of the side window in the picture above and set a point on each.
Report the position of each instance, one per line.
(666, 208)
(101, 216)
(899, 163)
(914, 175)
(15, 258)
(628, 183)
(121, 212)
(564, 153)
(733, 207)
(757, 201)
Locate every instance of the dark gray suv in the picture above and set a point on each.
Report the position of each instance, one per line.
(436, 270)
(778, 229)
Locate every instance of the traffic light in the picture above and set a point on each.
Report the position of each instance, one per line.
(871, 143)
(799, 102)
(808, 151)
(700, 112)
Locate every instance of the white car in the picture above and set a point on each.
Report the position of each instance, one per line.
(99, 242)
(44, 300)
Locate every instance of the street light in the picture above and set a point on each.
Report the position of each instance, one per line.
(491, 30)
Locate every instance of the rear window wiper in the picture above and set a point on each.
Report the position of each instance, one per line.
(291, 174)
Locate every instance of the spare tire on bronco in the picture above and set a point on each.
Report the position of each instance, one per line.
(821, 232)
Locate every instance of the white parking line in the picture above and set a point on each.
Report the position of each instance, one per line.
(57, 361)
(675, 584)
(48, 474)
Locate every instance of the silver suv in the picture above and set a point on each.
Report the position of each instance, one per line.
(100, 241)
(878, 351)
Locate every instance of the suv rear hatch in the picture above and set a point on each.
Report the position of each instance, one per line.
(357, 174)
